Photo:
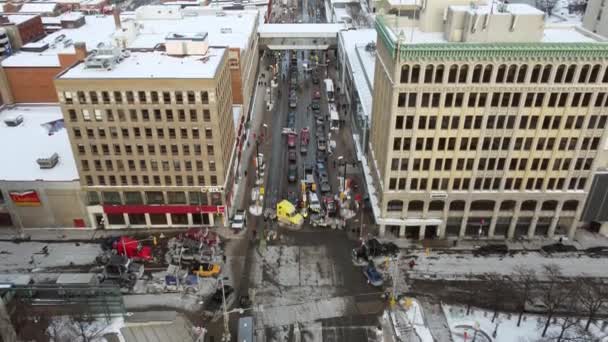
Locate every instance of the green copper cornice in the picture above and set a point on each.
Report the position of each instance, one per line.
(463, 51)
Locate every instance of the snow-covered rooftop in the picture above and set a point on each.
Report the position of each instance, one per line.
(98, 29)
(517, 9)
(560, 27)
(19, 18)
(38, 7)
(362, 63)
(153, 65)
(68, 16)
(31, 140)
(231, 28)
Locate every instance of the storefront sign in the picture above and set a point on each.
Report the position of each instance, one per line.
(206, 189)
(28, 198)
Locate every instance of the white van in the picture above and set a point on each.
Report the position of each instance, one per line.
(313, 202)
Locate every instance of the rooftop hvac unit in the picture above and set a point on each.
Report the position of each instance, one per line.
(14, 121)
(226, 30)
(48, 163)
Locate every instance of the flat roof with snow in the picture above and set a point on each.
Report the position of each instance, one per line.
(98, 29)
(38, 7)
(230, 28)
(18, 19)
(362, 63)
(31, 140)
(153, 65)
(562, 30)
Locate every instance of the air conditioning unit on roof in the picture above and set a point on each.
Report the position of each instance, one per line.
(48, 163)
(14, 121)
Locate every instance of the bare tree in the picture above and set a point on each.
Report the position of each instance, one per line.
(470, 293)
(592, 297)
(546, 5)
(568, 302)
(496, 291)
(523, 280)
(552, 293)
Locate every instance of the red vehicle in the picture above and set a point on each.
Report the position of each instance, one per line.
(291, 140)
(132, 249)
(316, 95)
(304, 136)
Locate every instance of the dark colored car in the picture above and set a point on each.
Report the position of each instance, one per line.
(558, 248)
(316, 107)
(292, 173)
(495, 249)
(292, 156)
(374, 277)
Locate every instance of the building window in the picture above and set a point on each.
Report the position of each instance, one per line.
(154, 197)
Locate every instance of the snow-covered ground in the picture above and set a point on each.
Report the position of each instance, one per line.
(66, 328)
(451, 266)
(296, 284)
(505, 329)
(29, 255)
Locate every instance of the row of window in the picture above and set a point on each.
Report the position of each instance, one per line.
(153, 197)
(143, 115)
(489, 183)
(483, 205)
(145, 165)
(139, 149)
(137, 133)
(452, 122)
(490, 164)
(130, 97)
(494, 144)
(150, 180)
(506, 99)
(502, 74)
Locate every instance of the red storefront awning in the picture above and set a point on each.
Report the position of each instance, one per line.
(163, 209)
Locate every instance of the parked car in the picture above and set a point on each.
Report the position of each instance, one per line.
(596, 252)
(495, 249)
(292, 172)
(558, 248)
(239, 221)
(374, 277)
(313, 202)
(374, 251)
(291, 140)
(205, 270)
(292, 156)
(321, 169)
(330, 205)
(325, 187)
(308, 170)
(293, 102)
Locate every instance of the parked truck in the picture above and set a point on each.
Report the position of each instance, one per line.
(287, 213)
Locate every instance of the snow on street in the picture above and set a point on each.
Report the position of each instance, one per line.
(297, 284)
(505, 326)
(29, 255)
(451, 266)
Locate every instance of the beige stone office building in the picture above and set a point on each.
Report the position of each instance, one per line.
(152, 134)
(487, 121)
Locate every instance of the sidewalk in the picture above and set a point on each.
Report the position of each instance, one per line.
(89, 234)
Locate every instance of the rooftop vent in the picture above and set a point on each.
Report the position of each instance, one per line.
(226, 30)
(14, 121)
(105, 57)
(48, 163)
